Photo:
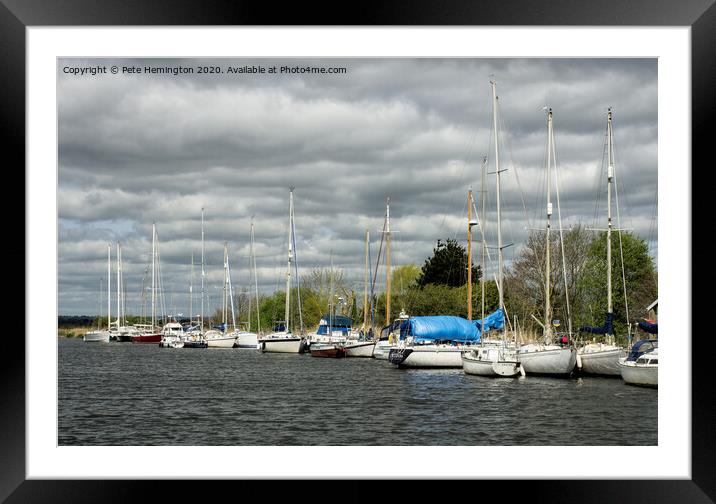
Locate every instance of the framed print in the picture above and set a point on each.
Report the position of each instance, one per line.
(211, 200)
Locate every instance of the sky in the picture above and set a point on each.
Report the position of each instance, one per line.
(137, 148)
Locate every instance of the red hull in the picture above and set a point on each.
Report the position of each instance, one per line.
(147, 338)
(334, 352)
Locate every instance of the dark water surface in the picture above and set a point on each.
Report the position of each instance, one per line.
(130, 394)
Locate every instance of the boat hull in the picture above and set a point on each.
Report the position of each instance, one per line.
(96, 337)
(553, 361)
(605, 362)
(247, 340)
(227, 342)
(196, 344)
(644, 376)
(473, 366)
(280, 345)
(147, 338)
(381, 350)
(361, 349)
(427, 356)
(331, 351)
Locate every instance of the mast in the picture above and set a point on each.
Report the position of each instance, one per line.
(224, 298)
(469, 254)
(290, 257)
(610, 174)
(330, 304)
(256, 282)
(203, 273)
(497, 193)
(365, 284)
(119, 312)
(191, 288)
(547, 307)
(154, 256)
(109, 282)
(387, 262)
(484, 244)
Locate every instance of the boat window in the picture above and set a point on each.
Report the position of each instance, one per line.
(654, 361)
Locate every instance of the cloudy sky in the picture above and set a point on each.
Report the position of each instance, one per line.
(141, 148)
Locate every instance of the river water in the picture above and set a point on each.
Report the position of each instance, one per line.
(132, 394)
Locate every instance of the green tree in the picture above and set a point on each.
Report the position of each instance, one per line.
(404, 277)
(447, 266)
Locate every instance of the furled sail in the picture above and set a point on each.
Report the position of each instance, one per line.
(607, 328)
(648, 327)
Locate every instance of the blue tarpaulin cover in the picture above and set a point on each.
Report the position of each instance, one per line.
(440, 328)
(607, 328)
(495, 320)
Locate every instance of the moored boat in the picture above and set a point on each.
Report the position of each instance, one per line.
(641, 366)
(96, 336)
(331, 350)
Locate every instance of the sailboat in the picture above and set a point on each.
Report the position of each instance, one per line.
(246, 338)
(322, 344)
(222, 338)
(492, 359)
(603, 358)
(641, 366)
(388, 337)
(363, 345)
(547, 357)
(99, 335)
(149, 333)
(283, 340)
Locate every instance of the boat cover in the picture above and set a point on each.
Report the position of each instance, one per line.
(607, 328)
(340, 323)
(646, 326)
(221, 327)
(440, 328)
(495, 320)
(641, 347)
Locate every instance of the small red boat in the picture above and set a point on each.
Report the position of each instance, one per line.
(327, 350)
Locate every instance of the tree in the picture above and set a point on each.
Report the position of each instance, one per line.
(447, 266)
(404, 277)
(639, 272)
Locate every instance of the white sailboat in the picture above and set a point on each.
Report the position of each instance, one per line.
(222, 338)
(148, 333)
(248, 339)
(548, 358)
(284, 340)
(497, 359)
(641, 366)
(99, 335)
(243, 337)
(602, 358)
(363, 345)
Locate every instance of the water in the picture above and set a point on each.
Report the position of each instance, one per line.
(129, 394)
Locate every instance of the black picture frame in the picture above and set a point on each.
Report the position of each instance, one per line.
(700, 15)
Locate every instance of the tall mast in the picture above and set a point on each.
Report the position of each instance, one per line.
(154, 256)
(109, 285)
(610, 174)
(469, 254)
(547, 307)
(191, 288)
(387, 262)
(365, 284)
(226, 282)
(330, 304)
(119, 312)
(203, 273)
(256, 282)
(497, 195)
(482, 236)
(290, 257)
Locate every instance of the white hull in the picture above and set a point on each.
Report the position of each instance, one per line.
(221, 342)
(96, 336)
(473, 366)
(280, 345)
(381, 350)
(643, 375)
(549, 360)
(247, 340)
(359, 349)
(601, 362)
(434, 356)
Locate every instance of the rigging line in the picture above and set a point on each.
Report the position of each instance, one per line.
(295, 262)
(619, 232)
(561, 238)
(598, 178)
(506, 139)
